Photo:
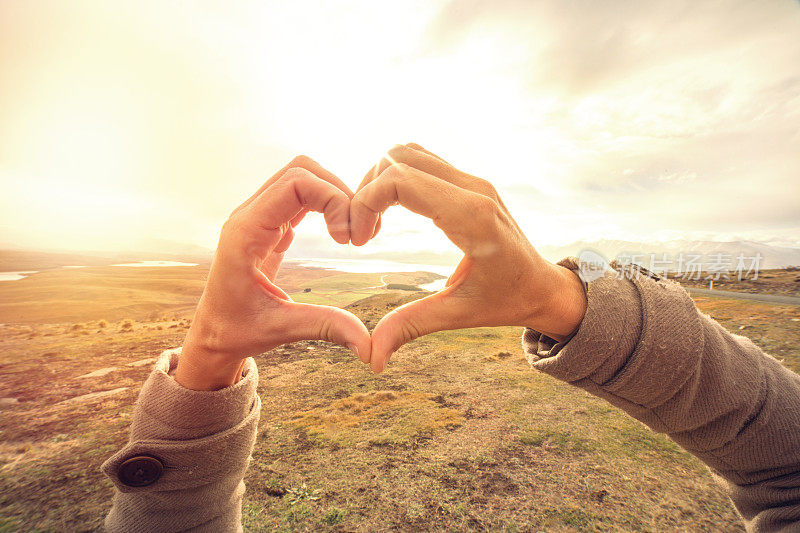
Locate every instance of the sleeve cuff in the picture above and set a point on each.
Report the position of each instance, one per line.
(167, 410)
(198, 436)
(640, 339)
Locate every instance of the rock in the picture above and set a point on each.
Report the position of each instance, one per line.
(142, 362)
(93, 396)
(100, 372)
(171, 351)
(4, 402)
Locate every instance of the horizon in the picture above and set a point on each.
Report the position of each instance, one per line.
(151, 121)
(724, 256)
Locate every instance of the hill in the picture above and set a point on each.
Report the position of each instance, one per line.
(457, 434)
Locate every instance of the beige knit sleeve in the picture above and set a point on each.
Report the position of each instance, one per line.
(187, 454)
(644, 347)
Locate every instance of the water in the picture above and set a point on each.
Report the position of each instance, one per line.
(434, 286)
(14, 276)
(156, 264)
(367, 266)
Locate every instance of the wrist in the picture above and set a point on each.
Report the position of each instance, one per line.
(203, 368)
(563, 306)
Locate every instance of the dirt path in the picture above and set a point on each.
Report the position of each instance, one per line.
(382, 285)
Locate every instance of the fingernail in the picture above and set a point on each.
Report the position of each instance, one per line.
(353, 348)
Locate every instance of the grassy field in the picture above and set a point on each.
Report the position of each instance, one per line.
(774, 281)
(458, 434)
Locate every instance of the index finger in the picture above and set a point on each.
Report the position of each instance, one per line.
(298, 190)
(463, 215)
(306, 163)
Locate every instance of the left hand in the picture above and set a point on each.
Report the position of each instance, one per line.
(242, 312)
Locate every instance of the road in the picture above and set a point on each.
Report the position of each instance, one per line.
(769, 298)
(382, 285)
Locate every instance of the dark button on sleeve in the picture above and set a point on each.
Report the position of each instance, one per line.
(140, 471)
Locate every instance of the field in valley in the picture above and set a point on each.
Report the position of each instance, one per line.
(458, 434)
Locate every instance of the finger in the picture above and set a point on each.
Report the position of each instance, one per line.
(377, 227)
(271, 265)
(319, 322)
(373, 172)
(382, 165)
(467, 218)
(285, 241)
(298, 190)
(408, 322)
(299, 218)
(304, 162)
(384, 162)
(417, 157)
(415, 146)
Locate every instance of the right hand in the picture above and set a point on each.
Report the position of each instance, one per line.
(501, 281)
(242, 312)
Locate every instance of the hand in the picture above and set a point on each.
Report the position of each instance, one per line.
(241, 312)
(501, 281)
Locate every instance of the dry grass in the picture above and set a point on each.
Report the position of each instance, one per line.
(457, 435)
(773, 281)
(357, 420)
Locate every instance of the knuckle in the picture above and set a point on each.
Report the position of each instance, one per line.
(482, 205)
(324, 330)
(295, 174)
(398, 152)
(402, 169)
(485, 187)
(233, 224)
(409, 331)
(301, 161)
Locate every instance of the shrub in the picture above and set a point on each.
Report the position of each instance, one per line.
(127, 325)
(102, 324)
(333, 516)
(402, 287)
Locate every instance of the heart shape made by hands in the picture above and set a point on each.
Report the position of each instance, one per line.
(501, 279)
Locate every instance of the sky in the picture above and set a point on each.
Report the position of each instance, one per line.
(123, 124)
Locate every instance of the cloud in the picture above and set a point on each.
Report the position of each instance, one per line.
(615, 119)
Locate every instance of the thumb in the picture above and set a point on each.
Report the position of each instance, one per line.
(408, 322)
(321, 322)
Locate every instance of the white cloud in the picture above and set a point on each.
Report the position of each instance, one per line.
(618, 119)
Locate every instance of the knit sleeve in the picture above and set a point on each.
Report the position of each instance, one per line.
(644, 347)
(187, 454)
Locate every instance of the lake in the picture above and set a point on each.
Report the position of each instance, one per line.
(366, 266)
(156, 264)
(14, 276)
